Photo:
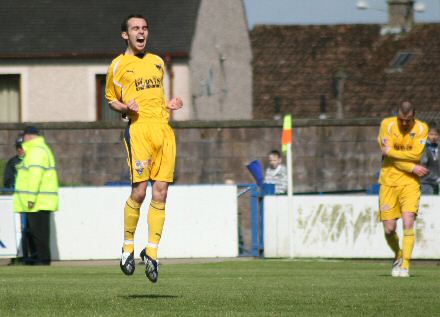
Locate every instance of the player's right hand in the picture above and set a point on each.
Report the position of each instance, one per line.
(420, 170)
(132, 107)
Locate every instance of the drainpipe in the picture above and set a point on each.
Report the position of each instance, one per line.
(169, 65)
(338, 85)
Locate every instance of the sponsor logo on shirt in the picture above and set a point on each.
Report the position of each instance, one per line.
(403, 147)
(142, 84)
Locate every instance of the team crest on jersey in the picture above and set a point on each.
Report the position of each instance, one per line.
(412, 135)
(141, 165)
(158, 66)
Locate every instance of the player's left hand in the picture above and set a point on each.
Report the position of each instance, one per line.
(420, 170)
(385, 149)
(175, 104)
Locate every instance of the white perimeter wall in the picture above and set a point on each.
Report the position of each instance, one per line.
(201, 221)
(342, 226)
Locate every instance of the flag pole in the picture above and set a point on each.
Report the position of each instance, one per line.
(290, 211)
(286, 141)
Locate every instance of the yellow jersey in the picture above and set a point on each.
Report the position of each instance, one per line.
(140, 78)
(406, 151)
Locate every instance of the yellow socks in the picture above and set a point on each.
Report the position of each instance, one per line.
(393, 242)
(156, 219)
(408, 245)
(131, 217)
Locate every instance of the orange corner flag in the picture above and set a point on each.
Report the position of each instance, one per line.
(286, 137)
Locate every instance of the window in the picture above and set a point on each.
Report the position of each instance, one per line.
(9, 98)
(401, 60)
(103, 110)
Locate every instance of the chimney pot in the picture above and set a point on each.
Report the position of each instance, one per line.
(400, 15)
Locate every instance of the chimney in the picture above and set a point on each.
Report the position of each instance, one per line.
(400, 16)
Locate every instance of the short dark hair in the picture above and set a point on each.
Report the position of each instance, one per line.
(124, 24)
(406, 107)
(433, 126)
(275, 152)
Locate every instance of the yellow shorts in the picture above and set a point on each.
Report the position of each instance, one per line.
(394, 200)
(151, 151)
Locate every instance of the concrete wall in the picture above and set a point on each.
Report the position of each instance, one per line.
(328, 155)
(96, 214)
(221, 73)
(341, 227)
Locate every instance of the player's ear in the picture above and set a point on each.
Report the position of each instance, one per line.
(124, 35)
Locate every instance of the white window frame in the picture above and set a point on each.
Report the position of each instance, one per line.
(91, 78)
(23, 72)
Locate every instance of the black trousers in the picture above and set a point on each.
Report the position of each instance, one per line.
(39, 231)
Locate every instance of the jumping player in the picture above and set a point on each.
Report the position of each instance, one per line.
(135, 88)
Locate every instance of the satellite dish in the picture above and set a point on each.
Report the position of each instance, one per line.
(419, 7)
(362, 5)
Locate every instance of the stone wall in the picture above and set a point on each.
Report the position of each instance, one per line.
(329, 155)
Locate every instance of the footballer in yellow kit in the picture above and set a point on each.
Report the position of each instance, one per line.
(401, 187)
(402, 141)
(135, 89)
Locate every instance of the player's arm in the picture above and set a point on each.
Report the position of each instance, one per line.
(130, 109)
(384, 138)
(416, 152)
(414, 155)
(409, 167)
(113, 94)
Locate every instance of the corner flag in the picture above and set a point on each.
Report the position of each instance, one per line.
(286, 137)
(286, 141)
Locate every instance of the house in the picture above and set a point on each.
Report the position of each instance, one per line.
(346, 71)
(55, 54)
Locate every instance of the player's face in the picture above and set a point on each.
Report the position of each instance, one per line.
(406, 121)
(274, 160)
(136, 35)
(433, 136)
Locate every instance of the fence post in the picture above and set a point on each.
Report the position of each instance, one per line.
(255, 223)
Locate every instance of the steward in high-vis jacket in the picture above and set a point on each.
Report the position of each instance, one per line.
(36, 191)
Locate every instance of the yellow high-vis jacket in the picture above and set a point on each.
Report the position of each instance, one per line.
(37, 179)
(406, 151)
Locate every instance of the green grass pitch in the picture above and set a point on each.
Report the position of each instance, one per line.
(230, 288)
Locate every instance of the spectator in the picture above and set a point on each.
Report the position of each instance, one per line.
(276, 173)
(36, 191)
(430, 160)
(11, 165)
(27, 246)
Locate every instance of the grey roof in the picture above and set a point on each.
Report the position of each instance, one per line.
(54, 28)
